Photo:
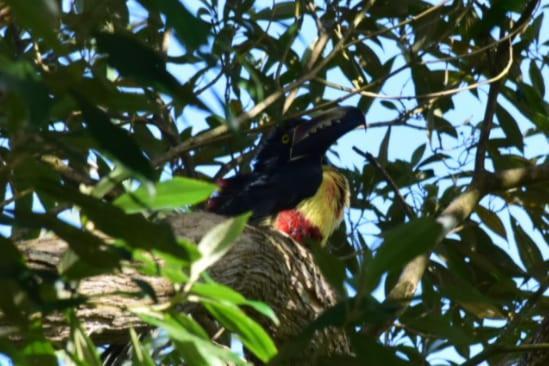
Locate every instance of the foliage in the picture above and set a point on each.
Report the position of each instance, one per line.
(114, 112)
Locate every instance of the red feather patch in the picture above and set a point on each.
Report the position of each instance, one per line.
(295, 225)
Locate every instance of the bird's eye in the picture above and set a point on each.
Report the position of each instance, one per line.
(285, 138)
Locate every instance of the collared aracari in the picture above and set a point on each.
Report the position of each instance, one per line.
(289, 187)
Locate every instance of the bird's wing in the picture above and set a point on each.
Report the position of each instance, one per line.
(265, 193)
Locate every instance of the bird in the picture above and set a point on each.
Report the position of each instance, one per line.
(290, 187)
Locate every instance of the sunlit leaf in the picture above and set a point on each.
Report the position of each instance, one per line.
(250, 333)
(217, 242)
(174, 193)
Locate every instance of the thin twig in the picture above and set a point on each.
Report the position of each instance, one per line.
(440, 93)
(259, 108)
(400, 199)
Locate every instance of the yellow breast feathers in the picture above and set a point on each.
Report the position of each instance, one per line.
(325, 209)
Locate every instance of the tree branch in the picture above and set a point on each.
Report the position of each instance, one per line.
(401, 201)
(262, 265)
(458, 210)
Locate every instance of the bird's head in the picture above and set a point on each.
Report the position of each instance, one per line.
(300, 138)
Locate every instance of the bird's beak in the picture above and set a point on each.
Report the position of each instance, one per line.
(318, 134)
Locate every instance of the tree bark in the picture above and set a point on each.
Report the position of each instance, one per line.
(262, 265)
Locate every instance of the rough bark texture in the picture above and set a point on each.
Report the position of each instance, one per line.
(262, 265)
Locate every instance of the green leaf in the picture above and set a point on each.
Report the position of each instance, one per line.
(250, 333)
(529, 252)
(217, 242)
(141, 356)
(22, 79)
(435, 325)
(400, 245)
(189, 30)
(537, 78)
(174, 193)
(115, 140)
(194, 348)
(510, 127)
(135, 60)
(465, 294)
(84, 351)
(418, 154)
(383, 155)
(134, 229)
(371, 352)
(492, 220)
(39, 351)
(279, 11)
(42, 18)
(219, 292)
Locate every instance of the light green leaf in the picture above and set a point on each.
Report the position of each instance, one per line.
(217, 242)
(174, 193)
(84, 352)
(219, 292)
(251, 333)
(194, 348)
(141, 356)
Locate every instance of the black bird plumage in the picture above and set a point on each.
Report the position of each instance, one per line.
(288, 165)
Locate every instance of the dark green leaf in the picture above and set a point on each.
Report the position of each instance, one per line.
(116, 141)
(399, 246)
(42, 18)
(440, 327)
(383, 154)
(136, 60)
(491, 220)
(370, 352)
(20, 78)
(537, 78)
(509, 127)
(279, 11)
(190, 31)
(465, 294)
(418, 154)
(529, 252)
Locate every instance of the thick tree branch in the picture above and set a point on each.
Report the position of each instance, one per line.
(262, 265)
